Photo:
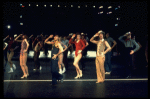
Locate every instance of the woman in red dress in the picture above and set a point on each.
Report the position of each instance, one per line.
(80, 45)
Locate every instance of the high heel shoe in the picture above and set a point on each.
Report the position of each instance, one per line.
(24, 76)
(78, 76)
(81, 73)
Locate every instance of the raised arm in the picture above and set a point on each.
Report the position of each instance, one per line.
(16, 39)
(49, 42)
(71, 40)
(108, 47)
(92, 39)
(5, 38)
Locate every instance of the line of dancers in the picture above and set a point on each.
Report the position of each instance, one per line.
(60, 49)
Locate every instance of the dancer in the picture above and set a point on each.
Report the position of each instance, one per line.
(70, 47)
(37, 47)
(23, 54)
(100, 55)
(65, 60)
(10, 53)
(107, 64)
(60, 57)
(79, 44)
(57, 49)
(84, 52)
(128, 52)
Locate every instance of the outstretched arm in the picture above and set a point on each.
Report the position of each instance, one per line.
(5, 38)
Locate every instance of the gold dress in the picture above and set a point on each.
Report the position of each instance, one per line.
(100, 59)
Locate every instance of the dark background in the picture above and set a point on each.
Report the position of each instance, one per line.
(65, 20)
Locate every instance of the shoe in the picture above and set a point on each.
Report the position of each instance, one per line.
(24, 76)
(81, 73)
(14, 66)
(107, 72)
(11, 70)
(78, 76)
(64, 70)
(60, 71)
(40, 68)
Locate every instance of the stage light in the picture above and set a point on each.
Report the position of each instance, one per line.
(8, 27)
(20, 4)
(116, 8)
(98, 13)
(85, 5)
(101, 12)
(21, 23)
(109, 12)
(58, 5)
(20, 16)
(71, 5)
(44, 5)
(116, 24)
(50, 5)
(109, 7)
(29, 5)
(37, 5)
(78, 6)
(100, 7)
(65, 6)
(93, 6)
(118, 18)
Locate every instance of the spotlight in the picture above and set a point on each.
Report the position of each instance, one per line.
(58, 5)
(50, 5)
(109, 7)
(29, 5)
(78, 6)
(37, 5)
(118, 18)
(100, 7)
(93, 6)
(20, 4)
(65, 6)
(110, 12)
(21, 23)
(44, 5)
(85, 5)
(71, 5)
(101, 12)
(116, 8)
(116, 24)
(20, 16)
(8, 27)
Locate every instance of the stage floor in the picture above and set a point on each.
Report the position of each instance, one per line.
(38, 83)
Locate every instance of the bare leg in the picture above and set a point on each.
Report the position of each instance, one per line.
(24, 63)
(21, 64)
(76, 62)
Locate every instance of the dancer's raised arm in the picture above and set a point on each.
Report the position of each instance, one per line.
(49, 42)
(92, 39)
(16, 39)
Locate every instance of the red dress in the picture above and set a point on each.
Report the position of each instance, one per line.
(79, 46)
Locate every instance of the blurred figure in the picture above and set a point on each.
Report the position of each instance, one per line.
(65, 59)
(107, 64)
(70, 47)
(37, 47)
(84, 52)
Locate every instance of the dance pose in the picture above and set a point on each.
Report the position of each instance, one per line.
(23, 54)
(100, 55)
(80, 45)
(57, 49)
(65, 60)
(107, 64)
(128, 52)
(37, 47)
(60, 57)
(10, 52)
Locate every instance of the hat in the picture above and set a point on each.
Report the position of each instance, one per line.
(82, 34)
(101, 32)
